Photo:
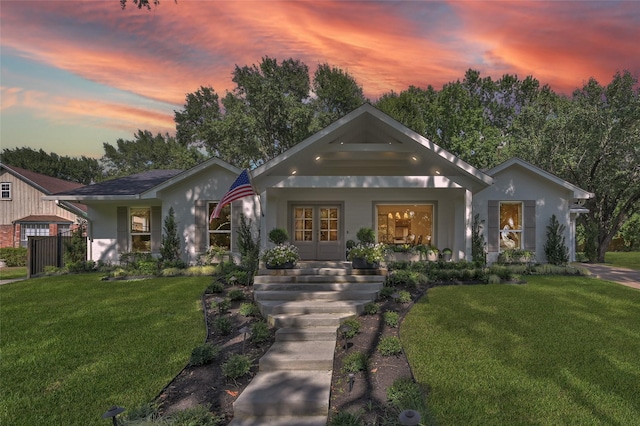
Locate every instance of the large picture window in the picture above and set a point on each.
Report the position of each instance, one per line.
(405, 224)
(220, 228)
(510, 225)
(32, 230)
(140, 229)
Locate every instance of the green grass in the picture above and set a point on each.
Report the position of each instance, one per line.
(72, 346)
(13, 272)
(623, 259)
(558, 350)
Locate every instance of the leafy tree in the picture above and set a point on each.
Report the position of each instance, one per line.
(249, 247)
(337, 94)
(630, 233)
(592, 139)
(148, 152)
(82, 169)
(269, 111)
(170, 245)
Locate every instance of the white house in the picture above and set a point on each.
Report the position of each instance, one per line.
(364, 170)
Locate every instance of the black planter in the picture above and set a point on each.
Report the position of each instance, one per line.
(287, 265)
(361, 263)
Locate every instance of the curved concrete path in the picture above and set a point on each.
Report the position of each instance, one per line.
(624, 276)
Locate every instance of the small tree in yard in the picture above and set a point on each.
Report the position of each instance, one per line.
(76, 249)
(478, 253)
(555, 248)
(249, 247)
(170, 246)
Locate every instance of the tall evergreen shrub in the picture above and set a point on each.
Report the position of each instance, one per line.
(555, 248)
(170, 245)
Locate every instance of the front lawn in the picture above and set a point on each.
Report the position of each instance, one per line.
(12, 272)
(558, 350)
(72, 345)
(623, 259)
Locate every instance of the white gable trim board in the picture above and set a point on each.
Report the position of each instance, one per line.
(365, 170)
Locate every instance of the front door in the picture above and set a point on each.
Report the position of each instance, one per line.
(317, 232)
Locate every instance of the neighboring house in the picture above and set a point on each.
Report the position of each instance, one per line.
(23, 211)
(364, 170)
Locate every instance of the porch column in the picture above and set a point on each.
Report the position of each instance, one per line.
(468, 219)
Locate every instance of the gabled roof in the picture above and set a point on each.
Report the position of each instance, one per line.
(120, 188)
(42, 218)
(368, 142)
(47, 185)
(578, 193)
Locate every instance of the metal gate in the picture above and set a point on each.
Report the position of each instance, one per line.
(46, 251)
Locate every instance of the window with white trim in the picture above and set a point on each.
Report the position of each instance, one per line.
(405, 223)
(511, 225)
(220, 228)
(5, 190)
(32, 230)
(140, 229)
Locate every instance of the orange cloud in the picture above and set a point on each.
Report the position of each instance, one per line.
(560, 43)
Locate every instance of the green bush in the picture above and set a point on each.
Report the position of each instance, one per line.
(222, 306)
(81, 266)
(278, 236)
(223, 325)
(391, 318)
(215, 287)
(260, 332)
(354, 362)
(236, 366)
(493, 279)
(371, 308)
(249, 310)
(407, 278)
(404, 394)
(386, 292)
(404, 296)
(354, 324)
(204, 354)
(366, 236)
(235, 294)
(14, 256)
(555, 247)
(389, 345)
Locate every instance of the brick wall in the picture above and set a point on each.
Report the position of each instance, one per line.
(6, 236)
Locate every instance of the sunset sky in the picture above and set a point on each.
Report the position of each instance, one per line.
(76, 74)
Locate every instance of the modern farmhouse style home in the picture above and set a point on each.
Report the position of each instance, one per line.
(364, 170)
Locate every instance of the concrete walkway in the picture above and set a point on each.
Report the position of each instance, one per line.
(11, 281)
(624, 276)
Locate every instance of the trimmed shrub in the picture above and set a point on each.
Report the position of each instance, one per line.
(215, 287)
(14, 256)
(371, 308)
(236, 366)
(355, 327)
(390, 345)
(249, 310)
(404, 296)
(386, 292)
(221, 306)
(204, 354)
(354, 362)
(235, 295)
(493, 279)
(223, 325)
(278, 235)
(407, 278)
(260, 332)
(391, 318)
(555, 248)
(366, 236)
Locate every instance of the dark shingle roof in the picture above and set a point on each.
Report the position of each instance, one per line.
(129, 185)
(48, 184)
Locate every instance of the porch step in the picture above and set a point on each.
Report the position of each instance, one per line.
(319, 286)
(316, 295)
(309, 333)
(275, 307)
(318, 272)
(280, 421)
(306, 394)
(298, 355)
(308, 320)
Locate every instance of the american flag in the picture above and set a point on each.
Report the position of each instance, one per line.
(239, 189)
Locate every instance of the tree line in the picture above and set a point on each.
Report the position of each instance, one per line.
(590, 138)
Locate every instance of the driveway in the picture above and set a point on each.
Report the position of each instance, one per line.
(628, 277)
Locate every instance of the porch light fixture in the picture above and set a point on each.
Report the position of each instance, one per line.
(318, 158)
(294, 172)
(414, 158)
(352, 379)
(409, 418)
(437, 172)
(112, 413)
(344, 330)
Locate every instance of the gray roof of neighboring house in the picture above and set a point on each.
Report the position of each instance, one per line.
(128, 185)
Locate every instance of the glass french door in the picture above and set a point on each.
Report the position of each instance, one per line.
(316, 232)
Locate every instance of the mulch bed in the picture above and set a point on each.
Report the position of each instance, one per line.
(206, 385)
